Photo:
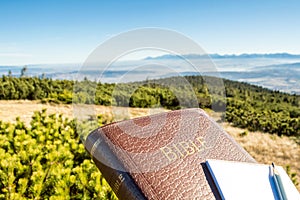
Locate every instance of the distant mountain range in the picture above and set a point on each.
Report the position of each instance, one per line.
(278, 71)
(218, 56)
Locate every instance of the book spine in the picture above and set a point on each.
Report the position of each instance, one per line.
(111, 168)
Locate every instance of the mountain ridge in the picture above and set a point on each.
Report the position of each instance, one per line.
(219, 56)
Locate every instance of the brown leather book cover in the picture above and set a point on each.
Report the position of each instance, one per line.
(162, 156)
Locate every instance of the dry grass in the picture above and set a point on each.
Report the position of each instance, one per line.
(24, 109)
(265, 148)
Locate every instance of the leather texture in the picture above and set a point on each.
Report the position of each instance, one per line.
(164, 154)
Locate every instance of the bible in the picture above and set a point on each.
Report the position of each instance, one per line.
(162, 156)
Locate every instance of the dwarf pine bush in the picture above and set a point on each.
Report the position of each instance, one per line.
(47, 161)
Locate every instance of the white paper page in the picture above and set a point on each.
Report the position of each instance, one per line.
(238, 180)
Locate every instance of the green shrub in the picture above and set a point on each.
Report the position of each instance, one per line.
(47, 161)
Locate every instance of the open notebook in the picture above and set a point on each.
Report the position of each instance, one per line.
(239, 180)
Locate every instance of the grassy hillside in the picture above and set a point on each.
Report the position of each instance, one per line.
(264, 122)
(247, 106)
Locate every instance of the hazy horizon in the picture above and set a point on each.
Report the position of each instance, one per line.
(149, 56)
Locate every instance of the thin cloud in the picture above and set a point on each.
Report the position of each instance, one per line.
(15, 55)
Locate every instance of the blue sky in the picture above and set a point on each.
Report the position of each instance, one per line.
(66, 31)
